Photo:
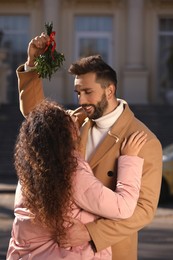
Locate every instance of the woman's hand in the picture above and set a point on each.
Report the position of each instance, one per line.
(133, 145)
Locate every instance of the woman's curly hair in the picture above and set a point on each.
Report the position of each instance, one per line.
(45, 162)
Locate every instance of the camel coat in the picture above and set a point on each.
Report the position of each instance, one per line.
(122, 235)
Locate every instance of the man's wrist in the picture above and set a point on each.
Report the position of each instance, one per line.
(93, 246)
(28, 68)
(91, 242)
(30, 61)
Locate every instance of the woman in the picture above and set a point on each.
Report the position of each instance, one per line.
(56, 185)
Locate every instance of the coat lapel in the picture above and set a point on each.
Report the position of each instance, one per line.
(113, 137)
(109, 141)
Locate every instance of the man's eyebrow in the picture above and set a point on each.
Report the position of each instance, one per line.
(82, 88)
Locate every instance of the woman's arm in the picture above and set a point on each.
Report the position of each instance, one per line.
(93, 196)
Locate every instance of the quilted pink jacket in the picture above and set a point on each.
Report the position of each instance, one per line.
(92, 199)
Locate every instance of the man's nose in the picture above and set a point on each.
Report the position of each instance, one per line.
(82, 99)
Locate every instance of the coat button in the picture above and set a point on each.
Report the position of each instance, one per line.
(110, 173)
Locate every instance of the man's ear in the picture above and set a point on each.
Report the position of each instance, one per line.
(110, 91)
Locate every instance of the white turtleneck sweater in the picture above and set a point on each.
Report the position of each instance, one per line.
(100, 129)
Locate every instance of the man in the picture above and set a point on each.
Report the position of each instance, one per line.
(105, 122)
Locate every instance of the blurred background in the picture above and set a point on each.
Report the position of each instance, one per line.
(134, 36)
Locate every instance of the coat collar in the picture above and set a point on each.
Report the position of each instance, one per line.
(113, 137)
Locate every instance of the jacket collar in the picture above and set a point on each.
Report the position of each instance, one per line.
(113, 137)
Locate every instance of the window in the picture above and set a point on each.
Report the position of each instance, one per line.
(14, 40)
(93, 36)
(165, 55)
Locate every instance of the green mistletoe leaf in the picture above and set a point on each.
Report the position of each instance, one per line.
(51, 60)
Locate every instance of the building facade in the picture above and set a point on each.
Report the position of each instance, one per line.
(134, 36)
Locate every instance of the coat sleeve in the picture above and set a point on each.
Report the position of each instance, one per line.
(105, 232)
(91, 195)
(30, 90)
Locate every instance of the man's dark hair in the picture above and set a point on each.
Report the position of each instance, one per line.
(105, 75)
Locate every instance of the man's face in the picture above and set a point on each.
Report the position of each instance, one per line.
(92, 97)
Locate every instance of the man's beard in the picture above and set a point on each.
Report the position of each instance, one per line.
(99, 108)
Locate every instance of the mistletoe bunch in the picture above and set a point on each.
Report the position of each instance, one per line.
(51, 60)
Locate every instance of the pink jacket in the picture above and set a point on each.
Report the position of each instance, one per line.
(92, 199)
